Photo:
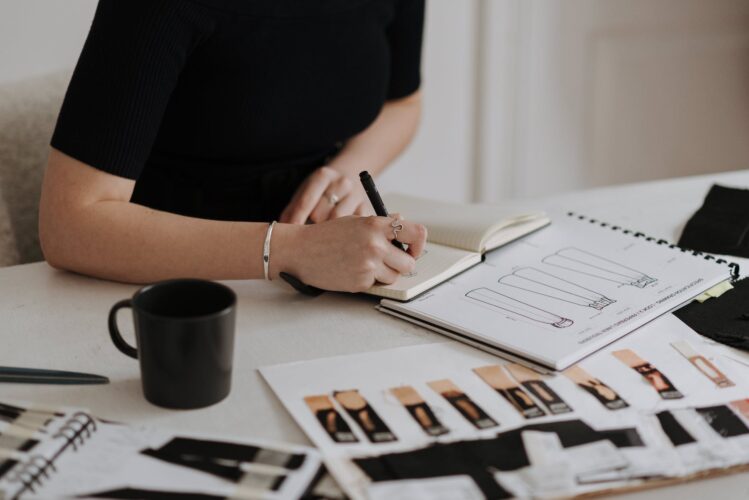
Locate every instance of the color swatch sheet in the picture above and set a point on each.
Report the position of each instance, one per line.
(565, 291)
(63, 453)
(447, 418)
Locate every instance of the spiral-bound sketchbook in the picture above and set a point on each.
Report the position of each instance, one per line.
(59, 453)
(563, 292)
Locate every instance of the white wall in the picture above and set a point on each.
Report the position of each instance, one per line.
(38, 36)
(582, 93)
(439, 163)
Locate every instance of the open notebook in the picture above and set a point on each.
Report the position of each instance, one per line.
(458, 237)
(564, 292)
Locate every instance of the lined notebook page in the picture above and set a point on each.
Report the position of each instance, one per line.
(434, 266)
(461, 226)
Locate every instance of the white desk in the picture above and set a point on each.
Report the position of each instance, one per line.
(58, 320)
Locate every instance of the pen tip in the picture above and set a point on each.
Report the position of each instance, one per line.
(363, 174)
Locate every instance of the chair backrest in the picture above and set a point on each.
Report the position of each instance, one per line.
(8, 248)
(28, 111)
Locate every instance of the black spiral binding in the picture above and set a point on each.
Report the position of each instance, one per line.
(32, 474)
(734, 267)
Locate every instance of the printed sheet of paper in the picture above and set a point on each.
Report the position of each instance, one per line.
(83, 456)
(434, 395)
(565, 291)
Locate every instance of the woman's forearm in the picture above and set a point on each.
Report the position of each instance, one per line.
(379, 144)
(126, 242)
(106, 236)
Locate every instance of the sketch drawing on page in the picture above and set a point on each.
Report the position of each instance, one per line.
(508, 304)
(540, 282)
(582, 262)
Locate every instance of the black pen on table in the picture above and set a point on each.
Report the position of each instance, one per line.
(376, 200)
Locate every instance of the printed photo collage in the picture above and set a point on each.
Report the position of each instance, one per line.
(652, 409)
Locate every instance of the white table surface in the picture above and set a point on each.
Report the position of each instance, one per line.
(54, 319)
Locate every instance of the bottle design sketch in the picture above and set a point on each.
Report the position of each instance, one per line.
(508, 304)
(536, 281)
(580, 261)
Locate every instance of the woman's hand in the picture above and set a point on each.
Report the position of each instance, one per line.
(347, 254)
(326, 194)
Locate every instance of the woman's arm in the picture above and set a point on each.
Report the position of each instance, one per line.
(88, 225)
(372, 149)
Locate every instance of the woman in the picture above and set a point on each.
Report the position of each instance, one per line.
(189, 125)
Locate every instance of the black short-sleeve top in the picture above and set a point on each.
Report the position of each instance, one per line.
(220, 108)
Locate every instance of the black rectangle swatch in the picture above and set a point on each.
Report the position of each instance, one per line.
(677, 434)
(723, 420)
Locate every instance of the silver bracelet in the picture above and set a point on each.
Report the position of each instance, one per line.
(266, 250)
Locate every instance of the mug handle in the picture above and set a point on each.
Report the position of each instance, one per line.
(114, 332)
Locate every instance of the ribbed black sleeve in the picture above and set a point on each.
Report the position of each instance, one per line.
(130, 63)
(405, 39)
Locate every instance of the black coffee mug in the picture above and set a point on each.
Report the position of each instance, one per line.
(184, 330)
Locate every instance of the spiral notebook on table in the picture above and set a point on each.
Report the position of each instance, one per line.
(60, 453)
(560, 294)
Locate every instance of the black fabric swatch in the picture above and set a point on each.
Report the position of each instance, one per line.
(723, 420)
(198, 462)
(724, 319)
(721, 225)
(677, 434)
(9, 413)
(150, 495)
(277, 483)
(28, 444)
(480, 458)
(6, 465)
(212, 456)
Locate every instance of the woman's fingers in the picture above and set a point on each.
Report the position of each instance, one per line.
(322, 209)
(400, 261)
(338, 190)
(411, 233)
(386, 275)
(347, 206)
(308, 196)
(364, 209)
